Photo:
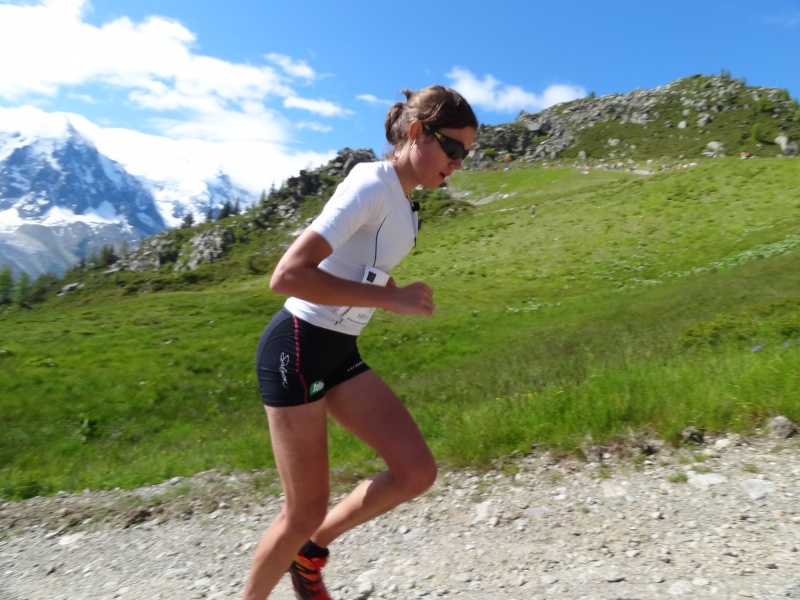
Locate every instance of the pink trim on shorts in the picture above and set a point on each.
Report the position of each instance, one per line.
(297, 358)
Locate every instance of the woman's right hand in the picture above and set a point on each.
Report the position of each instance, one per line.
(412, 299)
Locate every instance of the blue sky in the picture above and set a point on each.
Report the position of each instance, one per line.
(304, 79)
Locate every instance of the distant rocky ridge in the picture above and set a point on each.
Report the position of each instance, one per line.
(69, 200)
(67, 192)
(696, 116)
(62, 199)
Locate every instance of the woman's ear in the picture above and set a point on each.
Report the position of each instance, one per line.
(414, 130)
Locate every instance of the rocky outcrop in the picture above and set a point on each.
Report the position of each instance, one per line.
(715, 108)
(283, 205)
(788, 146)
(206, 247)
(341, 166)
(152, 253)
(69, 288)
(319, 181)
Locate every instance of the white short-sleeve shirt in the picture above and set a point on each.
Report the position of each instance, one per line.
(368, 221)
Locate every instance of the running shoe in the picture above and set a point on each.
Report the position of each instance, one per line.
(307, 578)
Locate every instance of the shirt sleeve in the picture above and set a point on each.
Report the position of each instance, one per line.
(353, 204)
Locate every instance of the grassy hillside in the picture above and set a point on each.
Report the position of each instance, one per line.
(671, 123)
(742, 118)
(627, 304)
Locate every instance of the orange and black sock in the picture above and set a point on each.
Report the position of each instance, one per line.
(311, 550)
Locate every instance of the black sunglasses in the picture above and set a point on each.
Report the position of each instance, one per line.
(452, 148)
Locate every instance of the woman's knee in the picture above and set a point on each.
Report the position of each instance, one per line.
(427, 477)
(417, 479)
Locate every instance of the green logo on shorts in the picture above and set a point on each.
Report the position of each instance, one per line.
(316, 387)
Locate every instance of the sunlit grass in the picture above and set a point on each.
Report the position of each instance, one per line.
(628, 303)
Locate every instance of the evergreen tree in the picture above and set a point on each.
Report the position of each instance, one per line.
(188, 221)
(22, 290)
(225, 212)
(6, 284)
(237, 210)
(262, 200)
(210, 215)
(107, 256)
(44, 284)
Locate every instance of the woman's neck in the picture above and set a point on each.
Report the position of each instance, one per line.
(405, 173)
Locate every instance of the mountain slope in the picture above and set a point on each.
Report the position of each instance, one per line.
(62, 199)
(54, 181)
(689, 118)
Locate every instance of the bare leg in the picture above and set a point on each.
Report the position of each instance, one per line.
(300, 445)
(368, 408)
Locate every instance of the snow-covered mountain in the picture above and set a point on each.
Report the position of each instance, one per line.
(69, 187)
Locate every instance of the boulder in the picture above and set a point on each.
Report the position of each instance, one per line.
(788, 146)
(781, 428)
(714, 149)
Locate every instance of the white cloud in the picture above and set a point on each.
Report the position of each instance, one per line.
(561, 92)
(155, 64)
(295, 68)
(83, 98)
(319, 107)
(231, 126)
(256, 166)
(490, 94)
(370, 99)
(314, 126)
(252, 164)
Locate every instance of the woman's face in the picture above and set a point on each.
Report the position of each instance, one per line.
(439, 153)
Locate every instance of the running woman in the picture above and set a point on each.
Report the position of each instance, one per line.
(336, 274)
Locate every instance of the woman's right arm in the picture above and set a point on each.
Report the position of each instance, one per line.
(298, 274)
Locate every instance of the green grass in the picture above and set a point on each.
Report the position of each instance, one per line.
(629, 303)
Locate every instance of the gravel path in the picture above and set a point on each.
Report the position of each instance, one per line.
(719, 520)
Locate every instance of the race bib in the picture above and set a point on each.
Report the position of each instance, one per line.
(360, 315)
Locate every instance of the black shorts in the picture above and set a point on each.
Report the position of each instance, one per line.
(296, 362)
